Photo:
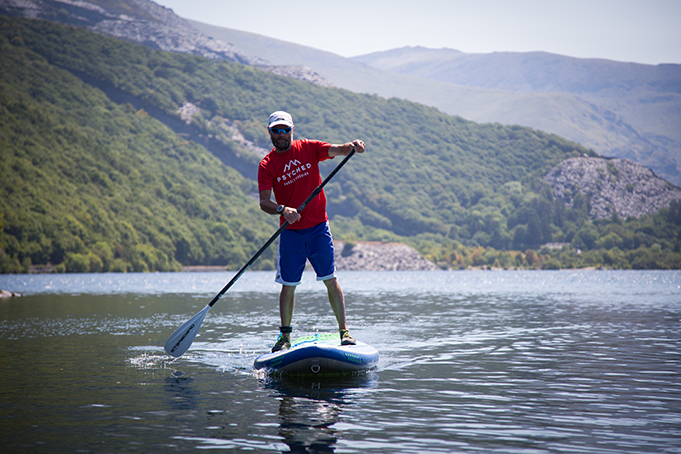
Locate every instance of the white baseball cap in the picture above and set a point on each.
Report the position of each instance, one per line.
(281, 118)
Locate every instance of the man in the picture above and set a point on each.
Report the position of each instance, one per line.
(291, 171)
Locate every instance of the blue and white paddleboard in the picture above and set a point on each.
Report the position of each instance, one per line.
(319, 354)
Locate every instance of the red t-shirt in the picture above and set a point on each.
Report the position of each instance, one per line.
(293, 175)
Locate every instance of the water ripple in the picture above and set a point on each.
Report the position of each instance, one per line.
(508, 362)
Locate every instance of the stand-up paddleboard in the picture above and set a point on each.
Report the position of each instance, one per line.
(319, 354)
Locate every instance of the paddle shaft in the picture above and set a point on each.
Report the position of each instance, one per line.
(248, 264)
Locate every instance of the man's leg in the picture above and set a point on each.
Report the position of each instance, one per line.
(287, 302)
(290, 266)
(322, 258)
(337, 301)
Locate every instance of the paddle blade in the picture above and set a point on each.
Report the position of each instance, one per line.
(182, 339)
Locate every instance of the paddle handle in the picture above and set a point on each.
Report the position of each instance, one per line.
(248, 264)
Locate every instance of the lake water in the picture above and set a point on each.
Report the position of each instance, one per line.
(471, 361)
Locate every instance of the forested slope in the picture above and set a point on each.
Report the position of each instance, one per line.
(100, 186)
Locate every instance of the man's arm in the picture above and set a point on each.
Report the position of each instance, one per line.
(270, 207)
(344, 149)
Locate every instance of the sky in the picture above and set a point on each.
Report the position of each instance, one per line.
(641, 31)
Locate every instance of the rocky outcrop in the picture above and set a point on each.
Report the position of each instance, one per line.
(297, 72)
(171, 33)
(150, 24)
(365, 256)
(612, 186)
(246, 144)
(187, 111)
(8, 294)
(377, 256)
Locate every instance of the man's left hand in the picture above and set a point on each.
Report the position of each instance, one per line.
(359, 146)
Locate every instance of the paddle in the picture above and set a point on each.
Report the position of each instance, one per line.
(182, 338)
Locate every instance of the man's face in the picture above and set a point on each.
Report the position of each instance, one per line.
(281, 139)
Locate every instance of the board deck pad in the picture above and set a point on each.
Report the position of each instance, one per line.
(319, 354)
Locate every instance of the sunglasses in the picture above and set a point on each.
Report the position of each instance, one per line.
(284, 130)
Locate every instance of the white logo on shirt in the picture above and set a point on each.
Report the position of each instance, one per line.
(293, 162)
(292, 173)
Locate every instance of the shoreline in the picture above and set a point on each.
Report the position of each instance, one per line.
(203, 268)
(217, 268)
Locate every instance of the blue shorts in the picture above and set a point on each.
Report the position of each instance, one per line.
(297, 246)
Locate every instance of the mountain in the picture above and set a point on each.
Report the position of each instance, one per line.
(617, 109)
(646, 97)
(529, 72)
(145, 22)
(133, 20)
(109, 148)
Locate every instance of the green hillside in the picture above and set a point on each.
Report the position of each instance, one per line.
(98, 186)
(93, 184)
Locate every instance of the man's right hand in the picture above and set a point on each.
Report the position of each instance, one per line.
(291, 215)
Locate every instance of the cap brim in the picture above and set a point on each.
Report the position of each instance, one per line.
(281, 123)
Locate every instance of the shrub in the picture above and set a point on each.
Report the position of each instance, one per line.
(531, 257)
(9, 264)
(104, 252)
(77, 263)
(94, 263)
(551, 264)
(119, 266)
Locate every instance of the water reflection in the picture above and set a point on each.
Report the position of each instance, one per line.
(536, 362)
(309, 407)
(306, 425)
(184, 395)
